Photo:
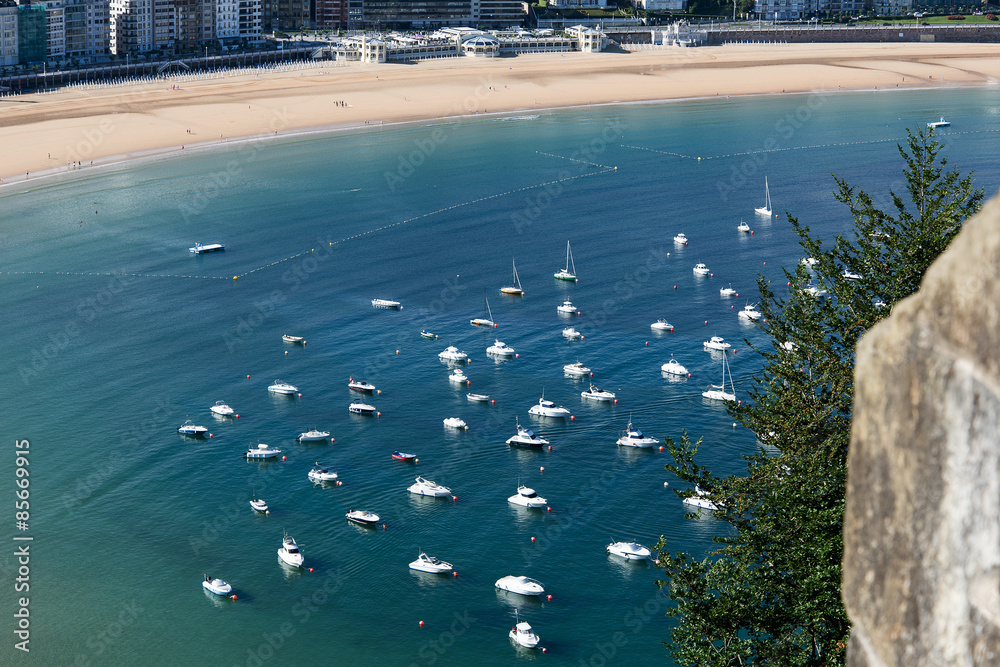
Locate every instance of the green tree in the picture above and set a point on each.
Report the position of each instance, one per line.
(770, 594)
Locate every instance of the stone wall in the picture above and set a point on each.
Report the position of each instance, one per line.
(922, 523)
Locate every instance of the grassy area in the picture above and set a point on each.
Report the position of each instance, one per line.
(930, 20)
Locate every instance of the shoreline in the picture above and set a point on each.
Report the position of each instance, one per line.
(44, 134)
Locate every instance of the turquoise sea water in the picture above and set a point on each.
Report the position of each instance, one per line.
(114, 334)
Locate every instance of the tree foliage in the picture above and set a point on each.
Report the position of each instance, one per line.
(770, 594)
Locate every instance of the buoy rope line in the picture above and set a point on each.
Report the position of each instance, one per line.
(787, 148)
(573, 159)
(422, 216)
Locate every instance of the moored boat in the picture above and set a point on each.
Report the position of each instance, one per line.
(629, 550)
(453, 354)
(527, 497)
(520, 584)
(661, 325)
(262, 451)
(192, 429)
(361, 409)
(321, 474)
(200, 249)
(524, 635)
(387, 303)
(425, 487)
(595, 394)
(363, 517)
(455, 422)
(546, 408)
(425, 563)
(282, 387)
(220, 408)
(217, 586)
(569, 272)
(289, 552)
(404, 456)
(313, 436)
(293, 339)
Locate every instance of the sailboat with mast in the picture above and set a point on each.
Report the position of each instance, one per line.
(567, 274)
(766, 208)
(484, 321)
(514, 289)
(718, 392)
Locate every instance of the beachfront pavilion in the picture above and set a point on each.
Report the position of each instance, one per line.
(481, 46)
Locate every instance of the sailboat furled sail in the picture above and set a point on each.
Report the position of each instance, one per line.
(568, 273)
(484, 321)
(515, 288)
(766, 208)
(718, 392)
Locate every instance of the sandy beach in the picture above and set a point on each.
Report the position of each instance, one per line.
(46, 134)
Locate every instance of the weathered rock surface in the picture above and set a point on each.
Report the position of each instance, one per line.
(922, 524)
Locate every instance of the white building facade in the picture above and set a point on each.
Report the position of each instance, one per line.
(131, 26)
(8, 36)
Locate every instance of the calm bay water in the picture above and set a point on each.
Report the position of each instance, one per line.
(114, 335)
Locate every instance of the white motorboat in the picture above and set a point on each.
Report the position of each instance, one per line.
(743, 227)
(576, 369)
(521, 585)
(500, 349)
(386, 303)
(568, 273)
(484, 321)
(527, 498)
(282, 387)
(700, 499)
(220, 408)
(258, 504)
(700, 269)
(452, 353)
(717, 343)
(478, 398)
(717, 392)
(749, 312)
(425, 563)
(427, 334)
(629, 550)
(404, 456)
(425, 487)
(673, 367)
(728, 291)
(360, 385)
(851, 275)
(514, 289)
(524, 635)
(262, 451)
(815, 290)
(766, 208)
(200, 249)
(363, 517)
(361, 409)
(313, 436)
(525, 438)
(661, 325)
(571, 333)
(190, 428)
(289, 552)
(546, 408)
(567, 308)
(293, 339)
(217, 586)
(595, 394)
(321, 474)
(680, 239)
(455, 422)
(459, 376)
(633, 437)
(938, 123)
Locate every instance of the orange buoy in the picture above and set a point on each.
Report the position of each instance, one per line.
(248, 377)
(454, 499)
(548, 509)
(550, 598)
(286, 353)
(300, 394)
(550, 448)
(572, 417)
(284, 458)
(542, 469)
(397, 351)
(616, 401)
(706, 321)
(751, 232)
(234, 597)
(661, 448)
(517, 356)
(675, 286)
(378, 414)
(647, 343)
(333, 440)
(532, 538)
(209, 435)
(237, 416)
(310, 569)
(454, 574)
(421, 624)
(416, 460)
(493, 402)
